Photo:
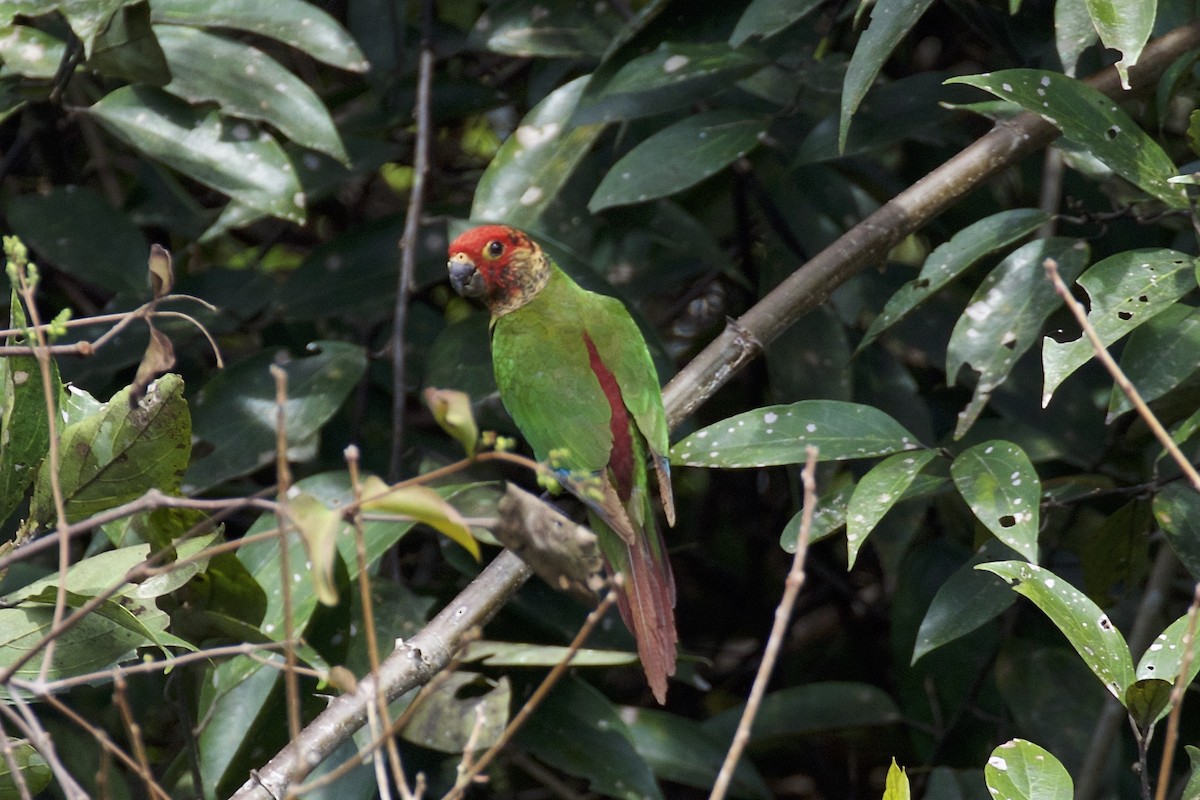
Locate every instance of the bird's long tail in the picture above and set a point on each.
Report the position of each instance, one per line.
(647, 599)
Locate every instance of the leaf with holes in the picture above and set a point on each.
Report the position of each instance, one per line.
(1126, 291)
(1087, 628)
(1091, 121)
(951, 259)
(775, 435)
(1020, 770)
(677, 157)
(533, 164)
(1000, 485)
(1005, 317)
(1159, 356)
(1124, 26)
(878, 491)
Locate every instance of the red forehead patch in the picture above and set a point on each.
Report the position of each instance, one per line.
(473, 241)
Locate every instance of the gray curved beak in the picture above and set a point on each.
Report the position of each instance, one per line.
(463, 277)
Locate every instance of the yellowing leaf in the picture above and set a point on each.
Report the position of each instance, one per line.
(162, 276)
(452, 411)
(422, 504)
(319, 528)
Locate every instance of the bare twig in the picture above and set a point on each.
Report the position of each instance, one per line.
(134, 731)
(27, 722)
(1118, 375)
(412, 228)
(783, 613)
(1181, 684)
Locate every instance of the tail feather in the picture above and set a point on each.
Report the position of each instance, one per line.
(646, 600)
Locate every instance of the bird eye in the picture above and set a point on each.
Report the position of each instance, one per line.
(494, 249)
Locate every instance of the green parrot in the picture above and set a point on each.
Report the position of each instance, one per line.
(576, 377)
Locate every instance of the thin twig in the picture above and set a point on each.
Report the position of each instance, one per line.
(783, 613)
(464, 780)
(27, 722)
(1118, 375)
(14, 769)
(409, 244)
(1181, 684)
(134, 731)
(283, 481)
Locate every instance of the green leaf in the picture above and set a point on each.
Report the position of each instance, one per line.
(235, 412)
(682, 751)
(24, 427)
(1147, 700)
(1159, 356)
(1126, 290)
(247, 83)
(87, 18)
(877, 492)
(114, 456)
(1192, 789)
(31, 52)
(677, 157)
(1073, 32)
(951, 259)
(464, 710)
(764, 18)
(896, 784)
(35, 773)
(577, 730)
(64, 225)
(519, 654)
(1125, 26)
(95, 643)
(828, 517)
(1005, 317)
(1020, 770)
(128, 49)
(812, 709)
(776, 435)
(300, 24)
(891, 20)
(1177, 510)
(673, 75)
(1163, 659)
(1002, 489)
(1091, 121)
(968, 599)
(233, 157)
(536, 161)
(1087, 628)
(546, 29)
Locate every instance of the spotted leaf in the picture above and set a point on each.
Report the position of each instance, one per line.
(1087, 628)
(1002, 488)
(1020, 770)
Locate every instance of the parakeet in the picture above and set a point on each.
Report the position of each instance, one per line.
(575, 375)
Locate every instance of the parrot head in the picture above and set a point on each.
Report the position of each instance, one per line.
(498, 264)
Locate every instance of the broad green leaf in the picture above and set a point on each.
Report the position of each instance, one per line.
(114, 456)
(232, 695)
(519, 654)
(776, 435)
(828, 517)
(94, 644)
(466, 709)
(146, 621)
(233, 157)
(300, 24)
(127, 48)
(235, 412)
(31, 52)
(968, 599)
(551, 29)
(1192, 789)
(764, 18)
(896, 784)
(1125, 26)
(87, 18)
(1002, 489)
(423, 505)
(677, 157)
(680, 750)
(811, 709)
(673, 75)
(1073, 32)
(877, 492)
(534, 163)
(1126, 290)
(577, 730)
(1147, 700)
(1090, 121)
(24, 427)
(1163, 659)
(951, 259)
(35, 773)
(1006, 315)
(1020, 770)
(1087, 628)
(891, 20)
(1159, 356)
(246, 82)
(64, 225)
(1177, 510)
